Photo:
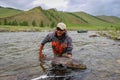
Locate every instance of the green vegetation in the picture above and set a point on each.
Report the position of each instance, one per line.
(41, 24)
(7, 12)
(110, 19)
(6, 28)
(37, 19)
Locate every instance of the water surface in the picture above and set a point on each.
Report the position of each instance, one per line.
(19, 55)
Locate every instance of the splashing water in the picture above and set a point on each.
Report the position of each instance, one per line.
(45, 76)
(41, 77)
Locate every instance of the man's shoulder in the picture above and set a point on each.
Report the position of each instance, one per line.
(67, 36)
(51, 34)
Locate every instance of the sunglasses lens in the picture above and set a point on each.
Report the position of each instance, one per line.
(59, 29)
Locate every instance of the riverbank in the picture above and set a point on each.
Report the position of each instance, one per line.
(6, 28)
(112, 34)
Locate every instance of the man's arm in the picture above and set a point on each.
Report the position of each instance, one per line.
(41, 55)
(45, 40)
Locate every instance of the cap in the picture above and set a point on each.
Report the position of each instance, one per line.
(61, 25)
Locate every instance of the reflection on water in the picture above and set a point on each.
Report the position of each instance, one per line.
(19, 55)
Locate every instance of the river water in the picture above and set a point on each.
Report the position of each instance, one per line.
(19, 55)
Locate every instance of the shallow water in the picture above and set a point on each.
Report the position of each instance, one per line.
(19, 55)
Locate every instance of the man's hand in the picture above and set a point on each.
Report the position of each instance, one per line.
(69, 55)
(42, 56)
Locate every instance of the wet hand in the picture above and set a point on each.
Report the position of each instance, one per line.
(69, 55)
(41, 56)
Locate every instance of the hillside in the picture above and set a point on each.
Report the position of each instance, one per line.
(34, 15)
(6, 12)
(49, 18)
(93, 20)
(111, 19)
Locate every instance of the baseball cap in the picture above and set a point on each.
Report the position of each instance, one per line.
(61, 25)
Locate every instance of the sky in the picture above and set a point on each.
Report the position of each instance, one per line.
(93, 7)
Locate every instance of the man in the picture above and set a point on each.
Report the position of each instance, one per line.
(61, 42)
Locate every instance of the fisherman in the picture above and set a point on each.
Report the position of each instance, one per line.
(60, 41)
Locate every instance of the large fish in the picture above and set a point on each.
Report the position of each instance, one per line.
(69, 62)
(59, 72)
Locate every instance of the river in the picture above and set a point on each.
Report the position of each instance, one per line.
(19, 55)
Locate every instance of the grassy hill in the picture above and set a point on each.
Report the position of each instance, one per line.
(93, 20)
(111, 19)
(6, 12)
(35, 15)
(49, 18)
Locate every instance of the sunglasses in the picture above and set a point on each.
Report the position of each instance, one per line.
(58, 29)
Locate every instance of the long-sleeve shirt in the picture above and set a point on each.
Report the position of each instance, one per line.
(60, 45)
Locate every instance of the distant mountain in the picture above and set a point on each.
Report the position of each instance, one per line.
(93, 20)
(40, 17)
(111, 19)
(6, 12)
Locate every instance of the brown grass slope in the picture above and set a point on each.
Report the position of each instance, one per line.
(46, 16)
(35, 14)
